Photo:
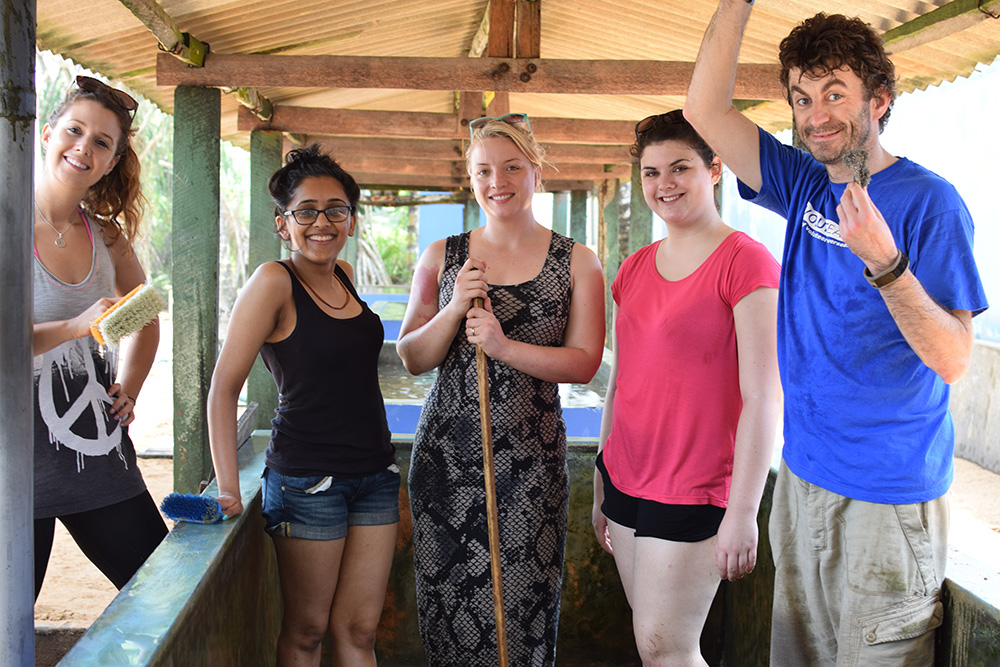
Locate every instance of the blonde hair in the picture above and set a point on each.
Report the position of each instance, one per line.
(522, 138)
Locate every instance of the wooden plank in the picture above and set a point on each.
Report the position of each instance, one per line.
(397, 168)
(499, 105)
(470, 107)
(938, 24)
(529, 29)
(580, 77)
(423, 125)
(390, 148)
(501, 38)
(388, 182)
(451, 149)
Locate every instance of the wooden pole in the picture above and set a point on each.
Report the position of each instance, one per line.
(491, 497)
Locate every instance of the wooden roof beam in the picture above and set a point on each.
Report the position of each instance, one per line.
(190, 51)
(408, 182)
(514, 75)
(946, 20)
(456, 170)
(423, 125)
(453, 149)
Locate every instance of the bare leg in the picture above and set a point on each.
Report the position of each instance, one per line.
(670, 586)
(308, 570)
(358, 602)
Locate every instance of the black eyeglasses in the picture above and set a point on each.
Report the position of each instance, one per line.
(649, 122)
(509, 118)
(307, 216)
(97, 87)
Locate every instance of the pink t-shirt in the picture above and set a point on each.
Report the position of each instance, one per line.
(677, 398)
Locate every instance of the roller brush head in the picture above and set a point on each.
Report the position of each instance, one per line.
(130, 314)
(192, 508)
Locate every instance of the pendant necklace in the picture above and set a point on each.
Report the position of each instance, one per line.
(60, 242)
(347, 292)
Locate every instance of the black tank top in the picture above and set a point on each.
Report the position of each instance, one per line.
(330, 418)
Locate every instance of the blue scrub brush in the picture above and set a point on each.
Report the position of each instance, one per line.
(193, 508)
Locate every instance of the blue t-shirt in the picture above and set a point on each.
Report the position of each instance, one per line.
(864, 416)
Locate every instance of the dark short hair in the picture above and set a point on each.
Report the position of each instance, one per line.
(302, 163)
(827, 42)
(671, 126)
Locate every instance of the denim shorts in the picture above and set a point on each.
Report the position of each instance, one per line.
(322, 507)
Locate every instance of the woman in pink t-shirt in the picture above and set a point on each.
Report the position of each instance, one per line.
(692, 402)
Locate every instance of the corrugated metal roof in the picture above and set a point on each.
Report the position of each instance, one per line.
(106, 37)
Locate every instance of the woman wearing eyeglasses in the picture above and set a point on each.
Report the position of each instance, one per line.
(331, 485)
(692, 402)
(542, 323)
(87, 209)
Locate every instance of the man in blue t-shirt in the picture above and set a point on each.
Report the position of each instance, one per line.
(877, 294)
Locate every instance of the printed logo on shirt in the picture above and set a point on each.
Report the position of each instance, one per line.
(73, 401)
(821, 228)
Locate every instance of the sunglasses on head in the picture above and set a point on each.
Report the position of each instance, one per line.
(649, 122)
(509, 118)
(98, 87)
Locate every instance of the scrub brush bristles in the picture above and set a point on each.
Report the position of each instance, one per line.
(132, 312)
(193, 508)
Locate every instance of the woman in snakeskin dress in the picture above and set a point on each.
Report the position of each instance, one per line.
(542, 323)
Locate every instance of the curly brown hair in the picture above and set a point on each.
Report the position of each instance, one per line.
(827, 42)
(116, 201)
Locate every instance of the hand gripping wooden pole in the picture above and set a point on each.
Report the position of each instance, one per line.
(491, 497)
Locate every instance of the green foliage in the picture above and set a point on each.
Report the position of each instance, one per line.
(387, 232)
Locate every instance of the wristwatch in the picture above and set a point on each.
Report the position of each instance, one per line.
(889, 275)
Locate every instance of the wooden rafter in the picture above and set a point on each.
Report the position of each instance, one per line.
(452, 150)
(946, 20)
(583, 77)
(424, 125)
(190, 51)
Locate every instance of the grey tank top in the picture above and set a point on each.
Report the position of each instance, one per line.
(83, 458)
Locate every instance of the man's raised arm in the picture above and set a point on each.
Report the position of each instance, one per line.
(709, 105)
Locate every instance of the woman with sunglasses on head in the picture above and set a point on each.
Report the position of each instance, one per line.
(692, 402)
(331, 485)
(87, 209)
(542, 323)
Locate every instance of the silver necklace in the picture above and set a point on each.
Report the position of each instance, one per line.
(60, 243)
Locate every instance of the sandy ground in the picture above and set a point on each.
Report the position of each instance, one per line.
(77, 592)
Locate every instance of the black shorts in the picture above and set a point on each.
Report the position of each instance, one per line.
(677, 523)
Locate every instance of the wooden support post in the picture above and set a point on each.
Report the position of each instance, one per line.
(611, 199)
(578, 200)
(197, 113)
(640, 226)
(470, 215)
(17, 139)
(265, 158)
(560, 212)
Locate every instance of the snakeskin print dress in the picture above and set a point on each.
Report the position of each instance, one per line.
(447, 498)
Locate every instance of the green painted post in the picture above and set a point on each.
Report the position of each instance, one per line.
(470, 215)
(197, 113)
(560, 212)
(578, 215)
(640, 228)
(265, 158)
(612, 221)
